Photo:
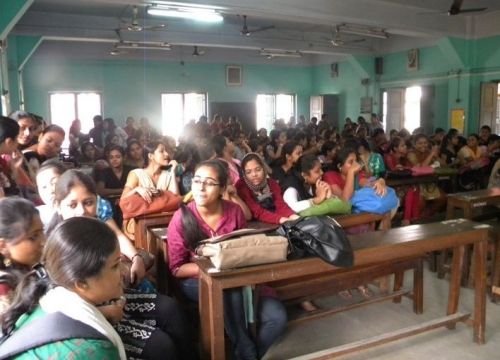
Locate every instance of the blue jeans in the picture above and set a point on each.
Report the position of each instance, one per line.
(271, 315)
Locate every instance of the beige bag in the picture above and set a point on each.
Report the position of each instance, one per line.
(236, 250)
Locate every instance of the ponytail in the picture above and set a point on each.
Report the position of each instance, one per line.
(191, 229)
(28, 293)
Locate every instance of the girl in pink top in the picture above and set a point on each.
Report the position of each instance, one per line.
(209, 215)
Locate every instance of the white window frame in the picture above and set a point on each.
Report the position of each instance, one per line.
(268, 123)
(176, 133)
(77, 112)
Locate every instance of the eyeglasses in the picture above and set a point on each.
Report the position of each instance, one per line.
(203, 183)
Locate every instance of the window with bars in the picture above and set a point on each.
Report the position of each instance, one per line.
(274, 106)
(68, 106)
(180, 108)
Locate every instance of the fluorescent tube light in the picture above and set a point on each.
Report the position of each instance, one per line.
(147, 46)
(277, 53)
(362, 31)
(191, 13)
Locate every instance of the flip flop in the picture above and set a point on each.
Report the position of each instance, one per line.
(345, 294)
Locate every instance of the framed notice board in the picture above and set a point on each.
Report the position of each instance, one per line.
(458, 120)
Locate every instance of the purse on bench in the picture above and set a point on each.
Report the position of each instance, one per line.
(318, 236)
(245, 247)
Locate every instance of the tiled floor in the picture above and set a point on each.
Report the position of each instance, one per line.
(378, 318)
(439, 344)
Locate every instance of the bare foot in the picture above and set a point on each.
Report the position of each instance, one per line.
(345, 294)
(405, 222)
(365, 291)
(308, 306)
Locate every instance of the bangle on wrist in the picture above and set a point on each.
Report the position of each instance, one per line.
(136, 255)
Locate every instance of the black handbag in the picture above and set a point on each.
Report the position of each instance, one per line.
(318, 236)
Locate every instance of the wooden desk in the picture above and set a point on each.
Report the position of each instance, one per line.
(416, 180)
(472, 200)
(469, 202)
(369, 249)
(142, 237)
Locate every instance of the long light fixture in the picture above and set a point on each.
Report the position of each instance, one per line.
(140, 45)
(185, 11)
(362, 30)
(280, 53)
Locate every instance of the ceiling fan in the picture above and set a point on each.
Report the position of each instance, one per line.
(135, 26)
(247, 32)
(456, 8)
(197, 52)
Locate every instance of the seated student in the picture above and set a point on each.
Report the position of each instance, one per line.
(371, 162)
(159, 173)
(48, 147)
(448, 150)
(484, 135)
(472, 152)
(187, 158)
(11, 159)
(432, 198)
(80, 272)
(157, 176)
(46, 179)
(206, 216)
(21, 244)
(154, 326)
(348, 176)
(328, 154)
(90, 158)
(241, 147)
(135, 154)
(304, 188)
(111, 181)
(313, 144)
(422, 153)
(277, 140)
(224, 148)
(27, 127)
(290, 154)
(344, 181)
(396, 160)
(262, 194)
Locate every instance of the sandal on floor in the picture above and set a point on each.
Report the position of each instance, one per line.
(345, 294)
(365, 291)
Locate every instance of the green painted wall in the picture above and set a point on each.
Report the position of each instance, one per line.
(12, 66)
(134, 88)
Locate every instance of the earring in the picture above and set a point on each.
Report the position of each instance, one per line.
(7, 262)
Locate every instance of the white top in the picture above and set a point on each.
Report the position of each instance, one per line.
(166, 181)
(291, 197)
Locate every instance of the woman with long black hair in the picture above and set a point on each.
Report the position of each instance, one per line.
(210, 215)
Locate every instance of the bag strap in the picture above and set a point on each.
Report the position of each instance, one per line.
(239, 233)
(45, 330)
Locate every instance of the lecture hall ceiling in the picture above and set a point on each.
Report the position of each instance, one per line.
(87, 29)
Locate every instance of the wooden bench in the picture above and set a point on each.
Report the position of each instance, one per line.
(427, 179)
(380, 248)
(472, 203)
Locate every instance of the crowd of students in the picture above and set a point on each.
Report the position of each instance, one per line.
(227, 177)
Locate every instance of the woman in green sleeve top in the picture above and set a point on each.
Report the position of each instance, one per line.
(79, 279)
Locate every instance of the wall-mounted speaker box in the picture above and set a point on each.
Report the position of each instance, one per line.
(379, 66)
